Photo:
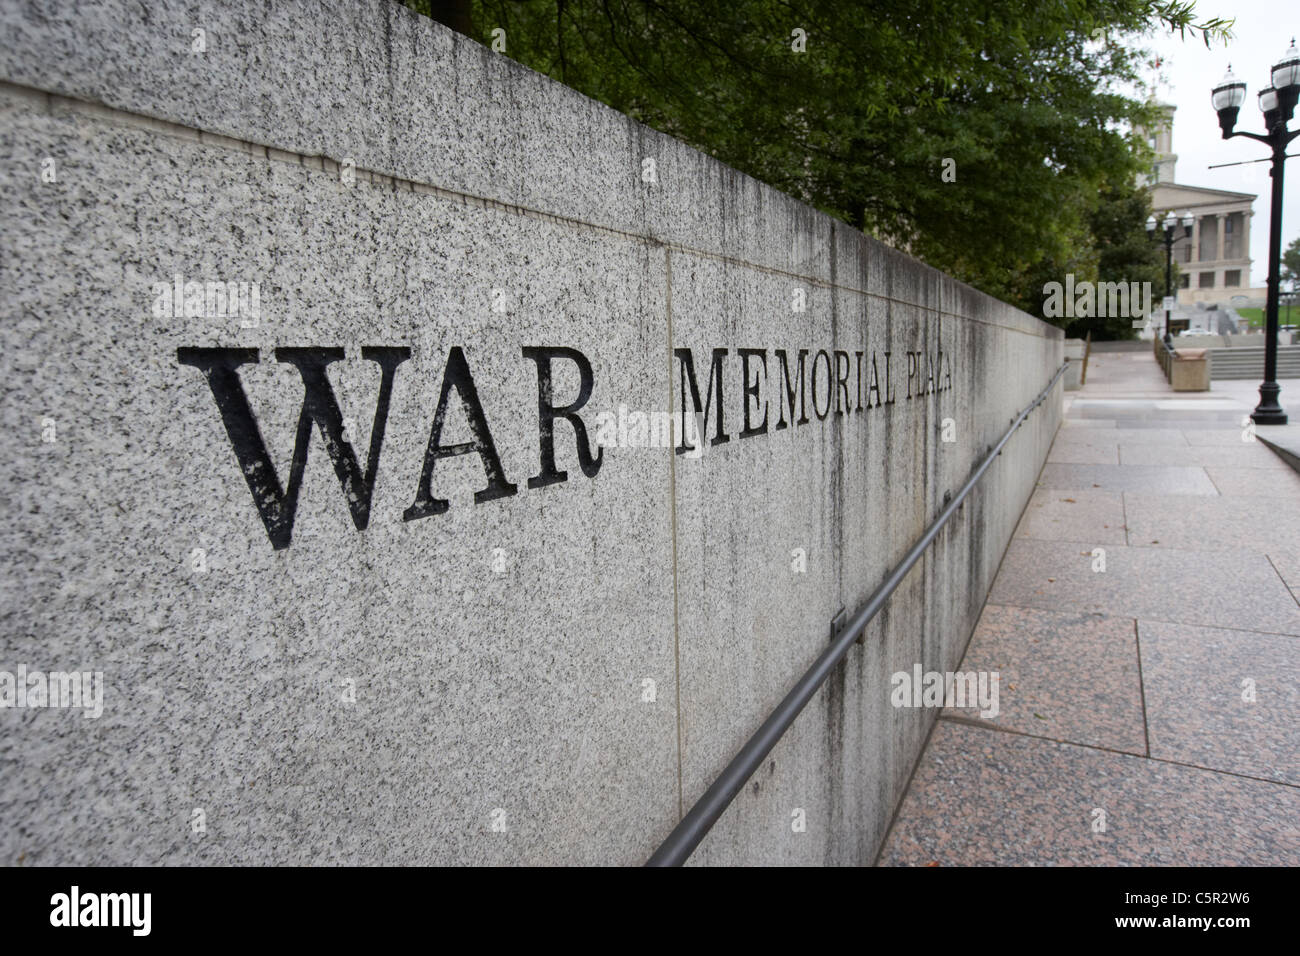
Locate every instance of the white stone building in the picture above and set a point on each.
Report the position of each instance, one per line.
(1214, 266)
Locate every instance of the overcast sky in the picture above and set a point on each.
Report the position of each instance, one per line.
(1189, 71)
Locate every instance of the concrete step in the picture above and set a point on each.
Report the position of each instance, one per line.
(1252, 362)
(1250, 373)
(1247, 363)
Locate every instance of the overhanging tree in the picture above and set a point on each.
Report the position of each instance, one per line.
(861, 110)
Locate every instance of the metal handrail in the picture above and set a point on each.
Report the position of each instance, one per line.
(1165, 357)
(695, 825)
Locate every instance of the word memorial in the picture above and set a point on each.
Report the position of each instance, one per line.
(830, 383)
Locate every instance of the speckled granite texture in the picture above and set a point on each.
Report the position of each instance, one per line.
(544, 676)
(1089, 517)
(1223, 698)
(1063, 675)
(984, 798)
(1130, 732)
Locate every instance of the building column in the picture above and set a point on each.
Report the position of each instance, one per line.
(1222, 220)
(1196, 241)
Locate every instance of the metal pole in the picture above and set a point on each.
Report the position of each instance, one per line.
(1169, 276)
(1269, 411)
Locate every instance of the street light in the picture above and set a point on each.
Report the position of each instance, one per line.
(1168, 236)
(1277, 102)
(1227, 99)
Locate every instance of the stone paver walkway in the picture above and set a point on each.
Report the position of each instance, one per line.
(1145, 626)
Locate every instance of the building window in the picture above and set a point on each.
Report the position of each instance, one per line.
(1206, 281)
(1227, 226)
(1232, 277)
(1184, 281)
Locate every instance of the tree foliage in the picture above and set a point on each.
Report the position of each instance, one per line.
(1291, 263)
(1020, 99)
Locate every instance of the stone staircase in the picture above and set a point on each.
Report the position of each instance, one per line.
(1248, 363)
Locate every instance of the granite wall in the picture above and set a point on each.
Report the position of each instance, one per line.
(336, 355)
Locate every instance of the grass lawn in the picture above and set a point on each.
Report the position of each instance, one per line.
(1254, 316)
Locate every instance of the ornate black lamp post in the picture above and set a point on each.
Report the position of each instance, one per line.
(1278, 104)
(1169, 236)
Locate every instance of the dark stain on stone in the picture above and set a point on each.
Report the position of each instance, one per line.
(835, 707)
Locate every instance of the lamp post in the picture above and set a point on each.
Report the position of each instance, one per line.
(1168, 235)
(1277, 102)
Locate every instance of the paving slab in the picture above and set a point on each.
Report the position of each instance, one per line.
(1091, 517)
(1244, 393)
(1123, 659)
(1241, 455)
(1072, 452)
(1213, 588)
(984, 797)
(1151, 410)
(1287, 563)
(1224, 522)
(1227, 435)
(1128, 434)
(1067, 675)
(1254, 481)
(1184, 480)
(1283, 441)
(1223, 699)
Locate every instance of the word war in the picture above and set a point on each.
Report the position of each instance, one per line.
(829, 383)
